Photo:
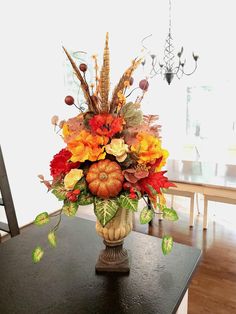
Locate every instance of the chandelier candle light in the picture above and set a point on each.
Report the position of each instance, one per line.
(168, 67)
(112, 158)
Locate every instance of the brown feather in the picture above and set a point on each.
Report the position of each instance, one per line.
(121, 85)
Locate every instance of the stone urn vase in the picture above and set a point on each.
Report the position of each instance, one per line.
(114, 258)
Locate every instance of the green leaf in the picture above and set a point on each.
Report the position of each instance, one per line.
(146, 215)
(37, 254)
(52, 239)
(59, 191)
(85, 199)
(70, 208)
(132, 116)
(167, 244)
(128, 203)
(169, 214)
(81, 185)
(105, 210)
(41, 219)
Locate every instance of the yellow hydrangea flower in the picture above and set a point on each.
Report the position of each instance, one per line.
(147, 148)
(163, 161)
(72, 178)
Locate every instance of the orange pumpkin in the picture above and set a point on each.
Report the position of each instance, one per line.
(105, 178)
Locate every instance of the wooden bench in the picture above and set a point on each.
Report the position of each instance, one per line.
(210, 193)
(217, 194)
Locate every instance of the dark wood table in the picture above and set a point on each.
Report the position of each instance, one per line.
(65, 280)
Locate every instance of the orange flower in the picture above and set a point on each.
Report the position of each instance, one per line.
(105, 124)
(86, 146)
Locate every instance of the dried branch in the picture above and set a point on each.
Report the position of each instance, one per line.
(84, 86)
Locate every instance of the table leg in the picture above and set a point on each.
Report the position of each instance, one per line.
(205, 215)
(191, 218)
(172, 201)
(183, 308)
(197, 203)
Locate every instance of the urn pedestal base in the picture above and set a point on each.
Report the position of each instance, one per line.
(114, 258)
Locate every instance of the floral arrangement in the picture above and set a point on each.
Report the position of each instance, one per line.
(113, 154)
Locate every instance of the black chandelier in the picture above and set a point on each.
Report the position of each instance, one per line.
(169, 68)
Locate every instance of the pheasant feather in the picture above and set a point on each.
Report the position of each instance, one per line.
(121, 85)
(104, 83)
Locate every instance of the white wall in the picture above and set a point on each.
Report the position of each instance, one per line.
(32, 71)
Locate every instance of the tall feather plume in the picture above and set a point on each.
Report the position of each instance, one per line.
(121, 85)
(104, 83)
(84, 86)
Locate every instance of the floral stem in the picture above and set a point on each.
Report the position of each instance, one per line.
(131, 92)
(58, 223)
(143, 197)
(55, 214)
(78, 108)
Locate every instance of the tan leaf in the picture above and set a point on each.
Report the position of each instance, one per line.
(54, 120)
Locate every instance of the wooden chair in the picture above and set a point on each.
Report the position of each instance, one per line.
(6, 202)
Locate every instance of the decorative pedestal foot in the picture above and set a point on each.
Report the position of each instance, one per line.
(113, 258)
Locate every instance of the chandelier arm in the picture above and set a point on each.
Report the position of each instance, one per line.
(142, 41)
(192, 71)
(177, 68)
(165, 68)
(181, 74)
(153, 68)
(156, 71)
(154, 62)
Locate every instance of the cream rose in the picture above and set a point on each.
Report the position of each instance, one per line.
(72, 178)
(117, 148)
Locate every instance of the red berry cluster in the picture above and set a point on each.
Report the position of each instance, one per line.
(73, 195)
(132, 193)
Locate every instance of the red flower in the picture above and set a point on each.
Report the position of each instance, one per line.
(155, 164)
(60, 164)
(156, 181)
(105, 124)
